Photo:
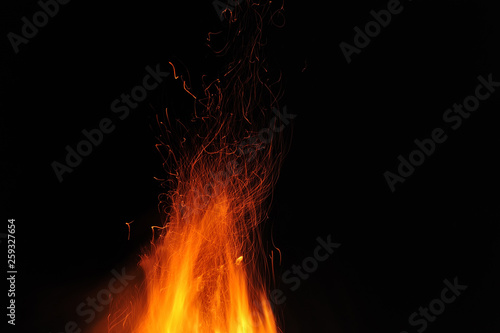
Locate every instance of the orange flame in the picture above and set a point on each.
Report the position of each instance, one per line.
(202, 274)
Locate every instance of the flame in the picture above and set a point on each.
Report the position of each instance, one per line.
(198, 279)
(203, 273)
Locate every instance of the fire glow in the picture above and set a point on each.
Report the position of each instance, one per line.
(207, 271)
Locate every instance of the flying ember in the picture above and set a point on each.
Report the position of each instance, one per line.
(206, 269)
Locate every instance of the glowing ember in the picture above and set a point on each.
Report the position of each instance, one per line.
(203, 273)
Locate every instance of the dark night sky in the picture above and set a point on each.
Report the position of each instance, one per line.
(353, 122)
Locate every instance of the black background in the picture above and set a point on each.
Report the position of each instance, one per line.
(353, 121)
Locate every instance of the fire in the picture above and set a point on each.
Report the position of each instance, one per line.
(204, 271)
(198, 279)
